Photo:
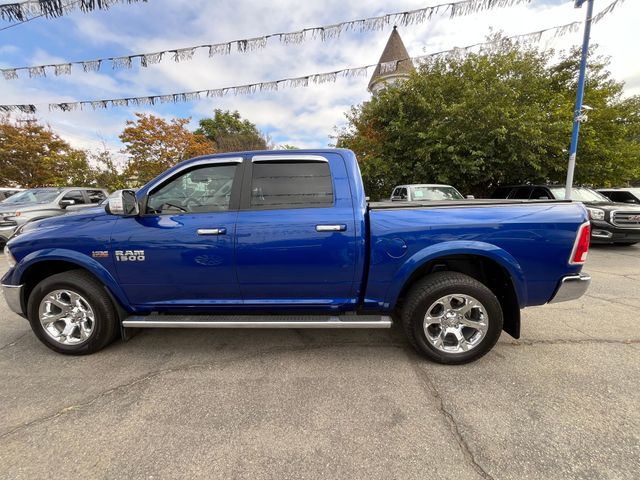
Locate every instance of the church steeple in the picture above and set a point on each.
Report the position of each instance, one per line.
(395, 51)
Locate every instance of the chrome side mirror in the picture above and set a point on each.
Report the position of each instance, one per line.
(470, 197)
(123, 202)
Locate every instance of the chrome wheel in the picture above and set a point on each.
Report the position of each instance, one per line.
(66, 317)
(456, 323)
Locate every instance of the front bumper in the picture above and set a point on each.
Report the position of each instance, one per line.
(571, 288)
(6, 232)
(13, 296)
(604, 232)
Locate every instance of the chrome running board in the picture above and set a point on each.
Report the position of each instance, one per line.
(257, 321)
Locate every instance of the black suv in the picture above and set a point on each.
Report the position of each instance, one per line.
(622, 195)
(616, 223)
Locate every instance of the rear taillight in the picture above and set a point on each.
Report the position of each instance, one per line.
(581, 247)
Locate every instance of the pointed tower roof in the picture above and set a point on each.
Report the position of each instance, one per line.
(394, 51)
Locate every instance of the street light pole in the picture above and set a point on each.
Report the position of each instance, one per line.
(578, 110)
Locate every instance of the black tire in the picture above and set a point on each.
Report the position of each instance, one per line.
(624, 244)
(105, 325)
(435, 286)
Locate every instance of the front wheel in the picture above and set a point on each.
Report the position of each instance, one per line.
(71, 313)
(451, 318)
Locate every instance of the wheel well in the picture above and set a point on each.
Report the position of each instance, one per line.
(486, 271)
(41, 270)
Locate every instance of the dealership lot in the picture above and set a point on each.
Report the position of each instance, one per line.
(562, 402)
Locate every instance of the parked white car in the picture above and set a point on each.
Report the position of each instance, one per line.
(426, 192)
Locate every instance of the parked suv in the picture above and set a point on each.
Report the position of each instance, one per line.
(611, 222)
(38, 203)
(622, 195)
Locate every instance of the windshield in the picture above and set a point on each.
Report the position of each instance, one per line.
(580, 194)
(35, 195)
(435, 193)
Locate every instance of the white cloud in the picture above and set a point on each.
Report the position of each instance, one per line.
(303, 116)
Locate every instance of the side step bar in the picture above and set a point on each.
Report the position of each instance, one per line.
(257, 321)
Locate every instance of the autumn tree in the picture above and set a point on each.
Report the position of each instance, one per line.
(154, 144)
(503, 115)
(31, 155)
(230, 133)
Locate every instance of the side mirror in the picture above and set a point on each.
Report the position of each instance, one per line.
(470, 197)
(64, 203)
(123, 202)
(630, 200)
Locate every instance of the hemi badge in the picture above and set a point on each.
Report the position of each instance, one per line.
(100, 254)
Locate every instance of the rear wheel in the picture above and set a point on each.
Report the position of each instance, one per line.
(451, 318)
(71, 313)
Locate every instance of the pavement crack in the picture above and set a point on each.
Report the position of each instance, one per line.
(615, 302)
(577, 341)
(449, 418)
(11, 344)
(193, 366)
(629, 276)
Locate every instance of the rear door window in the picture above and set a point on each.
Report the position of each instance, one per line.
(501, 192)
(521, 193)
(96, 196)
(540, 194)
(291, 184)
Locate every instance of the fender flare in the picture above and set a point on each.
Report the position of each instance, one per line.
(71, 256)
(458, 247)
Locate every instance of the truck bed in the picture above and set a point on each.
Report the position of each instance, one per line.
(483, 202)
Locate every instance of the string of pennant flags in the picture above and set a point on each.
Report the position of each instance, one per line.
(303, 81)
(323, 32)
(292, 82)
(23, 11)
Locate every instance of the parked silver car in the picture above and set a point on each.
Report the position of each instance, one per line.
(38, 203)
(7, 192)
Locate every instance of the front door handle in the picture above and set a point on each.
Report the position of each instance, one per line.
(331, 228)
(212, 231)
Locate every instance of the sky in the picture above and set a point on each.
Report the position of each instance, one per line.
(304, 117)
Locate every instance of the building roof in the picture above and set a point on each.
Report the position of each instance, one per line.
(394, 51)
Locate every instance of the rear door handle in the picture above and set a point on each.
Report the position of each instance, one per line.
(331, 228)
(212, 231)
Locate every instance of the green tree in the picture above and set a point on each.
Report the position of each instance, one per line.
(503, 115)
(32, 155)
(230, 133)
(106, 172)
(154, 144)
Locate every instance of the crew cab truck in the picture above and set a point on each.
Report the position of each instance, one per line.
(287, 239)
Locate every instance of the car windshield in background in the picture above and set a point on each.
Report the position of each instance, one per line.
(35, 195)
(435, 193)
(580, 194)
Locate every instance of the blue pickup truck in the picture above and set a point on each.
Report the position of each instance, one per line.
(287, 239)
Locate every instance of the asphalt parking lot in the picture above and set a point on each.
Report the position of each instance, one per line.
(563, 402)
